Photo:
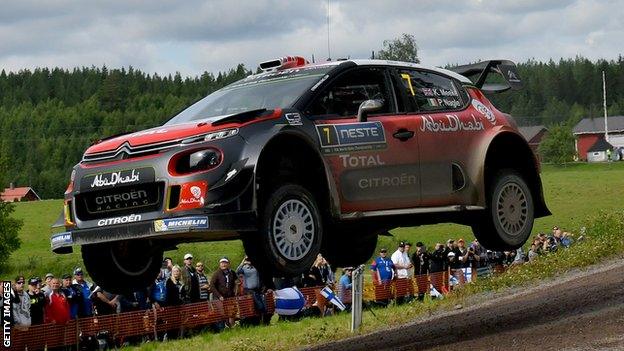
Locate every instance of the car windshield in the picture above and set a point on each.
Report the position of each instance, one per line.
(279, 89)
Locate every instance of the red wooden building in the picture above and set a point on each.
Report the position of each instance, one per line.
(13, 194)
(590, 131)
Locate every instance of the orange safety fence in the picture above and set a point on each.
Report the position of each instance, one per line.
(153, 322)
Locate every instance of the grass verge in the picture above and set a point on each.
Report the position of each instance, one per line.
(604, 239)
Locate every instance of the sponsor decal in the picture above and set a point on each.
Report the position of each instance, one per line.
(484, 110)
(351, 161)
(131, 198)
(192, 195)
(119, 220)
(116, 178)
(449, 123)
(7, 316)
(60, 239)
(294, 119)
(388, 182)
(184, 223)
(348, 137)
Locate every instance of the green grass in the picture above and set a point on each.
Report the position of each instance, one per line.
(572, 193)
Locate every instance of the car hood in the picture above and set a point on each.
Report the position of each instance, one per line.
(153, 136)
(167, 133)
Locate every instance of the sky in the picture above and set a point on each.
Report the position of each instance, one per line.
(191, 37)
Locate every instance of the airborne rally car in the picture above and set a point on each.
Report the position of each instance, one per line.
(307, 158)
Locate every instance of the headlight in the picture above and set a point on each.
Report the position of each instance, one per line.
(222, 134)
(195, 161)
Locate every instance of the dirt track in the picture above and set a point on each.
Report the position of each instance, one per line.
(583, 312)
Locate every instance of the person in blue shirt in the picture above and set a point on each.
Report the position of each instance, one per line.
(383, 271)
(87, 304)
(346, 285)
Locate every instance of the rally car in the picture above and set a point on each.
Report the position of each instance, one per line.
(304, 159)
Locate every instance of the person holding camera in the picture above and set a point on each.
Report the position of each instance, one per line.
(420, 260)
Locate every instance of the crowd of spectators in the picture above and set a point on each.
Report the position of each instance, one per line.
(53, 300)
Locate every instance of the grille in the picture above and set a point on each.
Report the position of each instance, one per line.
(120, 201)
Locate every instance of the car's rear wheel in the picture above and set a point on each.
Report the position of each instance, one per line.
(123, 266)
(290, 235)
(507, 222)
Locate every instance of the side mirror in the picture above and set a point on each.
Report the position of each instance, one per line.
(367, 107)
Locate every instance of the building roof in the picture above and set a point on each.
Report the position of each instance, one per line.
(600, 145)
(596, 125)
(16, 193)
(531, 132)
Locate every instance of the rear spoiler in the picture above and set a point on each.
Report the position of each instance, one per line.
(479, 72)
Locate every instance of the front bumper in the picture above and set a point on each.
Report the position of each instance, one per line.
(194, 226)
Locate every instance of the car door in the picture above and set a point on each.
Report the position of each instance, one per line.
(446, 131)
(375, 164)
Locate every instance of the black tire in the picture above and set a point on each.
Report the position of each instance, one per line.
(507, 222)
(121, 267)
(290, 235)
(349, 249)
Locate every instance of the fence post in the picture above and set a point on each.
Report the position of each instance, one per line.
(357, 288)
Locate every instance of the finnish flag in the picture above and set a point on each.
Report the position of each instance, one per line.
(331, 297)
(288, 301)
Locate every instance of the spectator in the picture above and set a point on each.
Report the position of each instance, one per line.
(252, 285)
(566, 239)
(533, 253)
(105, 302)
(202, 279)
(420, 260)
(73, 293)
(189, 278)
(383, 271)
(20, 303)
(327, 275)
(176, 293)
(57, 308)
(135, 301)
(223, 285)
(402, 263)
(519, 258)
(86, 288)
(314, 276)
(37, 301)
(158, 292)
(165, 270)
(510, 256)
(46, 289)
(346, 284)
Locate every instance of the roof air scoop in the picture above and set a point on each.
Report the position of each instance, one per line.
(283, 63)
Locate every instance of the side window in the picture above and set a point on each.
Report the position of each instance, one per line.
(344, 96)
(431, 92)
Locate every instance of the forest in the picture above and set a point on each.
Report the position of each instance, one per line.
(49, 116)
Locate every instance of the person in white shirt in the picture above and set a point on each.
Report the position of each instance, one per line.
(402, 263)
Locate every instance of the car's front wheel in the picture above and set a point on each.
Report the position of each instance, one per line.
(291, 232)
(123, 266)
(507, 222)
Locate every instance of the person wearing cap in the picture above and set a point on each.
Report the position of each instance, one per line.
(37, 301)
(223, 286)
(86, 308)
(73, 293)
(20, 303)
(189, 277)
(383, 271)
(45, 288)
(402, 263)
